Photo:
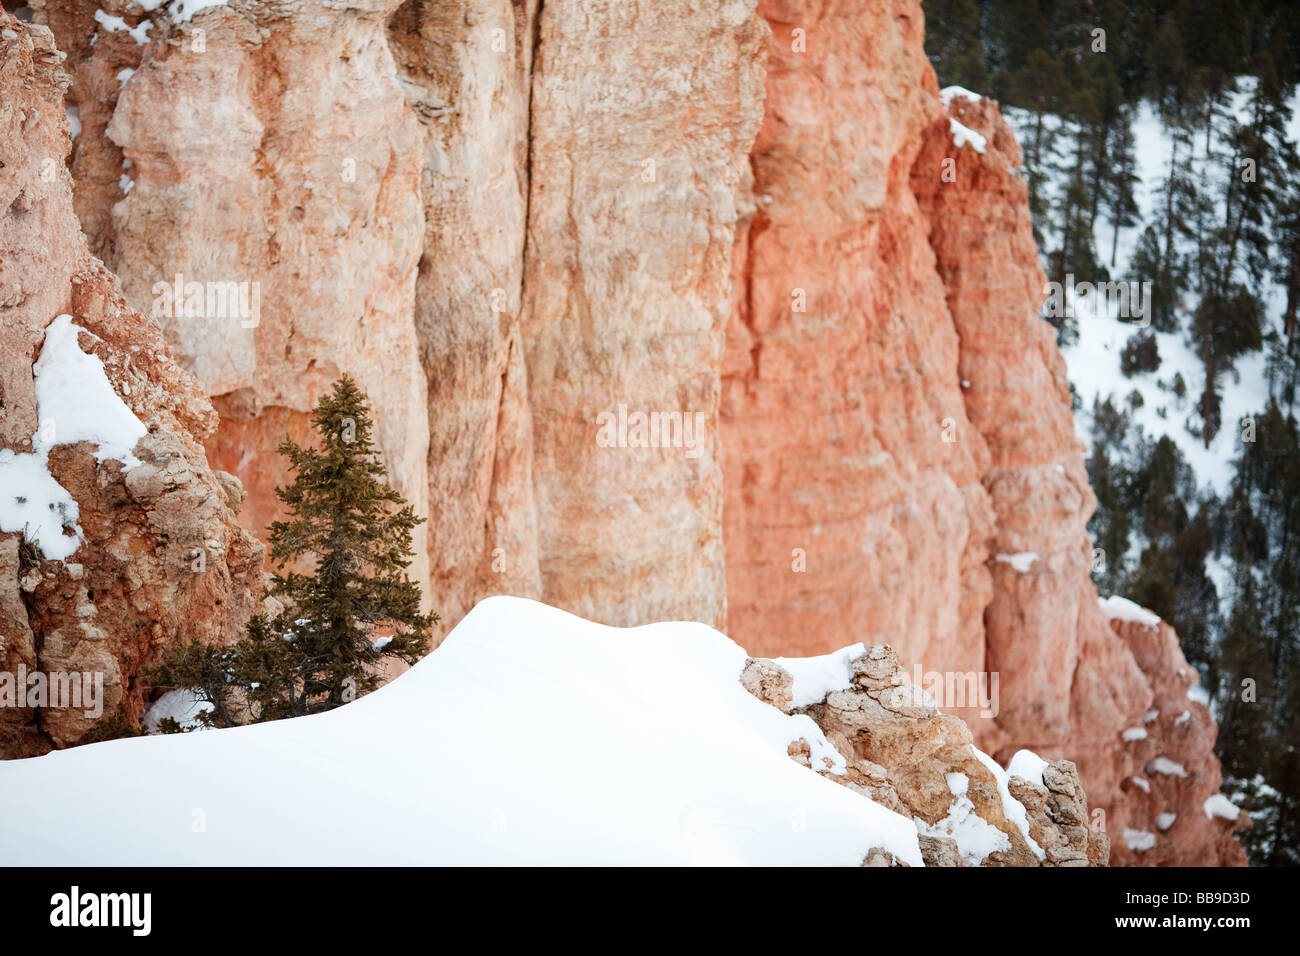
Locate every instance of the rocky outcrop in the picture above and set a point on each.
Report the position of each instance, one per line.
(160, 556)
(1072, 681)
(903, 754)
(932, 494)
(1160, 773)
(256, 156)
(522, 224)
(854, 507)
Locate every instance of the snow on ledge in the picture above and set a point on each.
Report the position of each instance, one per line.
(139, 33)
(963, 135)
(74, 402)
(183, 11)
(1028, 766)
(1169, 768)
(1012, 808)
(949, 93)
(530, 736)
(32, 502)
(1220, 806)
(815, 677)
(1139, 841)
(976, 838)
(1122, 609)
(1021, 561)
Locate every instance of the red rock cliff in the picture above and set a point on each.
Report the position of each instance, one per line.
(543, 211)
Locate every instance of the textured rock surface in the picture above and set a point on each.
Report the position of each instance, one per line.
(900, 751)
(935, 442)
(464, 67)
(1068, 686)
(163, 557)
(840, 374)
(638, 145)
(1158, 783)
(269, 145)
(507, 217)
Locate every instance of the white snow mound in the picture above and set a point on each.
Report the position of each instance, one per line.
(529, 736)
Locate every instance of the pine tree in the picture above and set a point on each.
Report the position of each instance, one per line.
(1111, 523)
(1224, 328)
(1119, 180)
(952, 42)
(344, 601)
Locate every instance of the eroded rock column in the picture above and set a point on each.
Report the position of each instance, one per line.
(854, 507)
(642, 118)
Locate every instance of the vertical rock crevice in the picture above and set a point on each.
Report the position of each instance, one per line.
(642, 117)
(466, 70)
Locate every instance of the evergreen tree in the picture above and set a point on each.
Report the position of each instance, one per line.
(1119, 180)
(344, 601)
(953, 43)
(1224, 327)
(1111, 523)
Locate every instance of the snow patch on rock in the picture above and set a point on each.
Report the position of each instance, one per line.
(1117, 608)
(1028, 766)
(1220, 806)
(976, 838)
(1012, 808)
(963, 135)
(74, 402)
(1021, 561)
(1139, 841)
(1167, 767)
(815, 677)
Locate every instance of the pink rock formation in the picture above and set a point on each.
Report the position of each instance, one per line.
(898, 446)
(509, 219)
(638, 146)
(1162, 777)
(163, 558)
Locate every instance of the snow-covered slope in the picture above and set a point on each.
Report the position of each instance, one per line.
(529, 736)
(1094, 359)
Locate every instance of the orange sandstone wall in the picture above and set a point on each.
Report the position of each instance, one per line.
(507, 218)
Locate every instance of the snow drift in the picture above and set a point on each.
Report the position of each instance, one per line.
(530, 736)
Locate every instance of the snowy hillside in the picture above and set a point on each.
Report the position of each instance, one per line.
(1094, 359)
(529, 736)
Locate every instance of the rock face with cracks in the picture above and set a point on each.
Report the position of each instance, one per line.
(161, 556)
(513, 219)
